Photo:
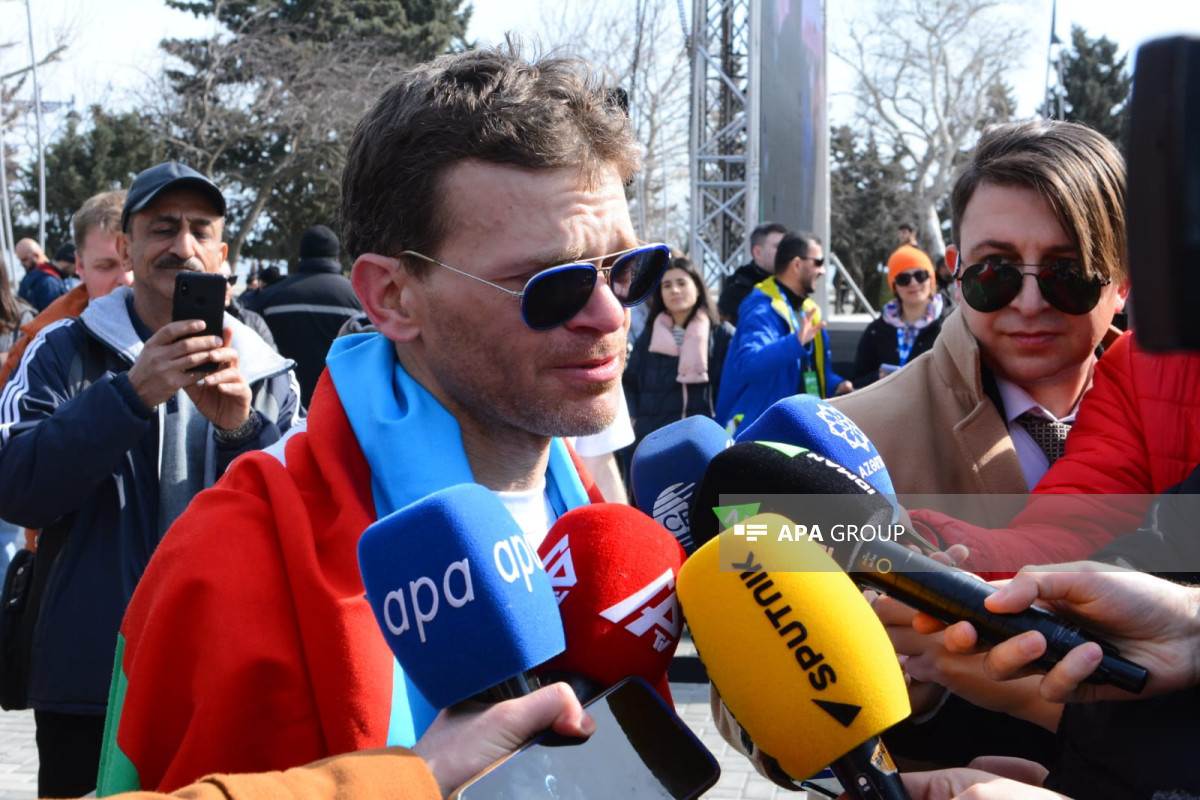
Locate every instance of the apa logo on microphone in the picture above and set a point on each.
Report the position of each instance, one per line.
(671, 507)
(560, 569)
(843, 427)
(514, 560)
(656, 608)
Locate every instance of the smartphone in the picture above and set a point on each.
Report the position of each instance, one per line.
(199, 295)
(640, 750)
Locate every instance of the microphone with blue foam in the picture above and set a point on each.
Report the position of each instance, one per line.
(613, 571)
(666, 467)
(805, 420)
(820, 493)
(460, 597)
(797, 655)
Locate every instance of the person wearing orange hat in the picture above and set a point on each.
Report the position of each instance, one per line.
(909, 323)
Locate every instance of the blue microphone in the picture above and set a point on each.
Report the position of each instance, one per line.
(461, 598)
(805, 421)
(666, 467)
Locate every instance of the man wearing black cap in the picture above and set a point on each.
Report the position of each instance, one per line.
(112, 395)
(306, 309)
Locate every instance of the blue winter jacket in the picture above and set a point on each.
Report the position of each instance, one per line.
(765, 360)
(80, 459)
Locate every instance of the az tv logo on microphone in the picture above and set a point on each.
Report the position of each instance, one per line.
(514, 561)
(671, 507)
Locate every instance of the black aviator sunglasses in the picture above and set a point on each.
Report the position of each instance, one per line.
(992, 285)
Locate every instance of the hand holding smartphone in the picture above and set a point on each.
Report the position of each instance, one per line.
(201, 296)
(640, 750)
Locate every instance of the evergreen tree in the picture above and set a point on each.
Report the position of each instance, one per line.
(98, 154)
(267, 106)
(869, 198)
(1096, 84)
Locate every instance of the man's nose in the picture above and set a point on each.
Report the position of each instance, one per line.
(603, 312)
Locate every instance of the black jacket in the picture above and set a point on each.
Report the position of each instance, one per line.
(878, 346)
(305, 311)
(737, 286)
(655, 398)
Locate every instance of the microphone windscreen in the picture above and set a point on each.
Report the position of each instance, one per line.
(666, 467)
(798, 657)
(458, 593)
(614, 570)
(807, 421)
(777, 476)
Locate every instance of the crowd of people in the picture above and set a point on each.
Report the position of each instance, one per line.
(191, 504)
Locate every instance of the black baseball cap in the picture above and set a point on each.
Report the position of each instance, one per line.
(150, 183)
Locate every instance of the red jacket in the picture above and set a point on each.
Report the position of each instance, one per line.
(1137, 433)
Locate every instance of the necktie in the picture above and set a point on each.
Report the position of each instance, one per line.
(1051, 436)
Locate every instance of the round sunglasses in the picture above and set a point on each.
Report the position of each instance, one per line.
(991, 286)
(555, 295)
(918, 275)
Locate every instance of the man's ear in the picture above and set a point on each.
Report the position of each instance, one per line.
(1122, 294)
(123, 250)
(952, 258)
(386, 291)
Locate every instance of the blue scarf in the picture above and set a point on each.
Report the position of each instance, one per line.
(414, 448)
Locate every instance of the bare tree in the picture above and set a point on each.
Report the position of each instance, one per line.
(644, 54)
(926, 73)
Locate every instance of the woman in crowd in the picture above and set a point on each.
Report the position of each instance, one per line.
(675, 367)
(14, 312)
(909, 323)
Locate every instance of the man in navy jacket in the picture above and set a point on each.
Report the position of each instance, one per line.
(106, 434)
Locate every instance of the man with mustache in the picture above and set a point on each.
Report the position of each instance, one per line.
(111, 398)
(483, 204)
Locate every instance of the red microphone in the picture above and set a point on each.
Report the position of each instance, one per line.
(613, 570)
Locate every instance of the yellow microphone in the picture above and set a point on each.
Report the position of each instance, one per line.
(796, 653)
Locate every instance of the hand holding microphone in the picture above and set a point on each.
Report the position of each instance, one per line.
(787, 479)
(1151, 620)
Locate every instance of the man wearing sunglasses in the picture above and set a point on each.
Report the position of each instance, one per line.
(1039, 261)
(483, 203)
(780, 348)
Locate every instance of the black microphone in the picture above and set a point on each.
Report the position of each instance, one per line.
(786, 479)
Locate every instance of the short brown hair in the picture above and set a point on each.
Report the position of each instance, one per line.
(1079, 173)
(98, 211)
(488, 104)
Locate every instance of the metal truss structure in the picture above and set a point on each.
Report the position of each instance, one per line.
(724, 154)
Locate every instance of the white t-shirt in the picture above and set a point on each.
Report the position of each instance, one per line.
(618, 434)
(532, 511)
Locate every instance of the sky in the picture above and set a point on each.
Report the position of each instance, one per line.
(114, 42)
(113, 47)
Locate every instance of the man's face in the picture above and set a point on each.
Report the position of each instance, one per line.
(226, 271)
(908, 236)
(810, 273)
(764, 254)
(99, 264)
(179, 230)
(473, 351)
(1029, 342)
(27, 254)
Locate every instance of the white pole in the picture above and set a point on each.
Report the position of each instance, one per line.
(6, 231)
(37, 105)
